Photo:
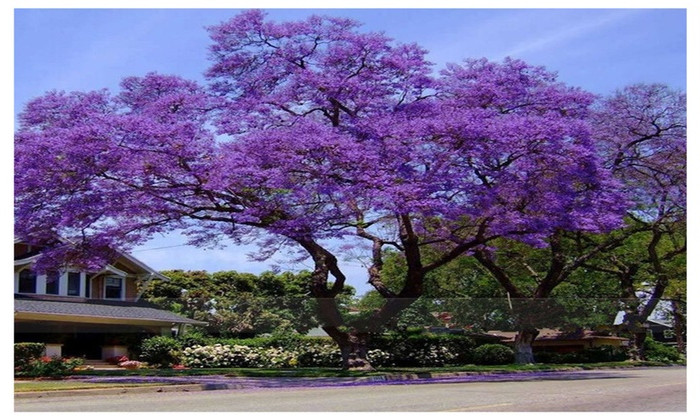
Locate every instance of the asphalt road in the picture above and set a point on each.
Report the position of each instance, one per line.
(653, 389)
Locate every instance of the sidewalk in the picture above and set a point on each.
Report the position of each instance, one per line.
(220, 382)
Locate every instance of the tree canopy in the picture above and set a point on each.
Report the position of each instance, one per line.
(316, 136)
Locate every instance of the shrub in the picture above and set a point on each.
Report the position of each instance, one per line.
(593, 355)
(603, 354)
(131, 364)
(194, 338)
(26, 352)
(115, 360)
(425, 349)
(221, 356)
(547, 357)
(319, 355)
(658, 352)
(50, 367)
(277, 357)
(378, 358)
(160, 351)
(494, 354)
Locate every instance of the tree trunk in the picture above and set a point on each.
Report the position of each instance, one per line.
(357, 356)
(678, 325)
(637, 347)
(633, 326)
(523, 345)
(353, 348)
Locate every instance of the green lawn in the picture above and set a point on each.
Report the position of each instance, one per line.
(64, 385)
(335, 372)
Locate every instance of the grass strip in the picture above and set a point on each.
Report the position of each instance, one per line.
(339, 373)
(67, 385)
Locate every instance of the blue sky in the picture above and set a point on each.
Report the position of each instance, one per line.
(596, 49)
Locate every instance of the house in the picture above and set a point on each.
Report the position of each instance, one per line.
(658, 329)
(557, 341)
(94, 315)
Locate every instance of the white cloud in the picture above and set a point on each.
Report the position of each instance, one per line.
(567, 32)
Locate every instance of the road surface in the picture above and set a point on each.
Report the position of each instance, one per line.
(652, 389)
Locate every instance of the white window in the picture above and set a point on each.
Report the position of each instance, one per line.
(53, 280)
(57, 283)
(74, 284)
(114, 288)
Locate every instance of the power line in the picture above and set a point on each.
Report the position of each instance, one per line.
(161, 247)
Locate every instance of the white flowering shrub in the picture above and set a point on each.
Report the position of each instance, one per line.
(319, 355)
(379, 358)
(276, 357)
(431, 356)
(424, 350)
(420, 351)
(218, 355)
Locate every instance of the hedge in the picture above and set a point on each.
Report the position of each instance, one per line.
(289, 351)
(26, 352)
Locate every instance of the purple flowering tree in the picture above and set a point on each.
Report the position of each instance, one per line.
(640, 135)
(315, 136)
(566, 189)
(641, 132)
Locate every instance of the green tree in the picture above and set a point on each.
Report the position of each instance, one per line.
(474, 299)
(648, 269)
(238, 304)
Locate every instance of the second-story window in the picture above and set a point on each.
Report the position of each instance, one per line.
(52, 281)
(113, 287)
(27, 281)
(73, 284)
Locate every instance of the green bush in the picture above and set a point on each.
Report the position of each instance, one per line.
(592, 355)
(49, 367)
(195, 338)
(493, 354)
(160, 351)
(658, 352)
(604, 354)
(547, 357)
(26, 352)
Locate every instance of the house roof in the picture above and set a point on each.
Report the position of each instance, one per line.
(37, 307)
(547, 334)
(659, 323)
(31, 256)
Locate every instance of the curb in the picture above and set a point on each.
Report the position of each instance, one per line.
(110, 391)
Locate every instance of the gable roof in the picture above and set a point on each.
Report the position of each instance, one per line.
(31, 256)
(94, 310)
